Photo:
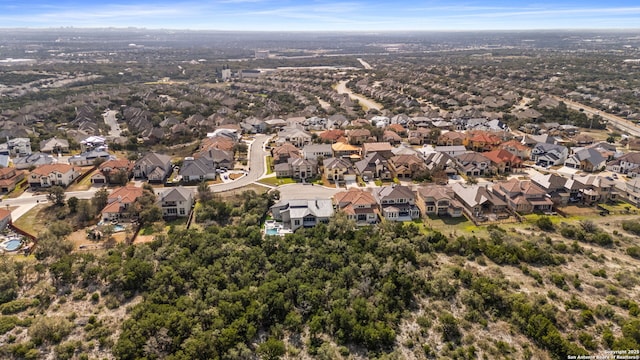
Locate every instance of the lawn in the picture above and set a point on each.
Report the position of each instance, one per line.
(456, 226)
(33, 221)
(620, 207)
(274, 181)
(269, 160)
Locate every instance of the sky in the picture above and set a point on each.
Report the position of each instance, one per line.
(322, 15)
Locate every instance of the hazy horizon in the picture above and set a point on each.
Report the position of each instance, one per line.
(357, 16)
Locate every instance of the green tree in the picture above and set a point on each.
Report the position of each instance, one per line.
(271, 349)
(72, 203)
(99, 200)
(56, 195)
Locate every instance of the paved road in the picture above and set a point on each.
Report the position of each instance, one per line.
(257, 167)
(109, 117)
(257, 154)
(365, 102)
(365, 64)
(615, 121)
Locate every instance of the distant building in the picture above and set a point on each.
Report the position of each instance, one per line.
(261, 54)
(226, 74)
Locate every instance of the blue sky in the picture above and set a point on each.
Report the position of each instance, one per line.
(322, 15)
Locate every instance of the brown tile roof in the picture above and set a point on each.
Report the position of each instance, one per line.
(125, 194)
(502, 155)
(45, 170)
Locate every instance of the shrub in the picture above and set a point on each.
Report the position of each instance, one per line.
(50, 329)
(544, 223)
(634, 251)
(631, 226)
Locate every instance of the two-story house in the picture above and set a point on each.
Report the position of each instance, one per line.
(479, 203)
(175, 202)
(473, 164)
(90, 158)
(374, 166)
(153, 166)
(383, 148)
(110, 171)
(586, 159)
(9, 178)
(282, 153)
(628, 164)
(120, 203)
(53, 174)
(199, 169)
(294, 135)
(407, 166)
(545, 154)
(315, 151)
(298, 213)
(523, 196)
(438, 200)
(338, 170)
(359, 206)
(297, 168)
(398, 203)
(503, 161)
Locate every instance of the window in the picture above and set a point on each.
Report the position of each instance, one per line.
(296, 222)
(59, 175)
(172, 211)
(182, 212)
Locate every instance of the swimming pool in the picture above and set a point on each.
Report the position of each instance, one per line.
(118, 228)
(271, 231)
(12, 244)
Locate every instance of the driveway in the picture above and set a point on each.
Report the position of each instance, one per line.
(309, 191)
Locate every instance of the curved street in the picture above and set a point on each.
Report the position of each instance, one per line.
(257, 154)
(366, 103)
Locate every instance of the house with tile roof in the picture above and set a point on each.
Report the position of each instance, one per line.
(374, 166)
(397, 203)
(282, 153)
(523, 196)
(517, 148)
(359, 206)
(108, 169)
(482, 141)
(503, 161)
(406, 166)
(383, 148)
(473, 164)
(480, 204)
(438, 200)
(5, 218)
(53, 174)
(120, 203)
(9, 178)
(337, 170)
